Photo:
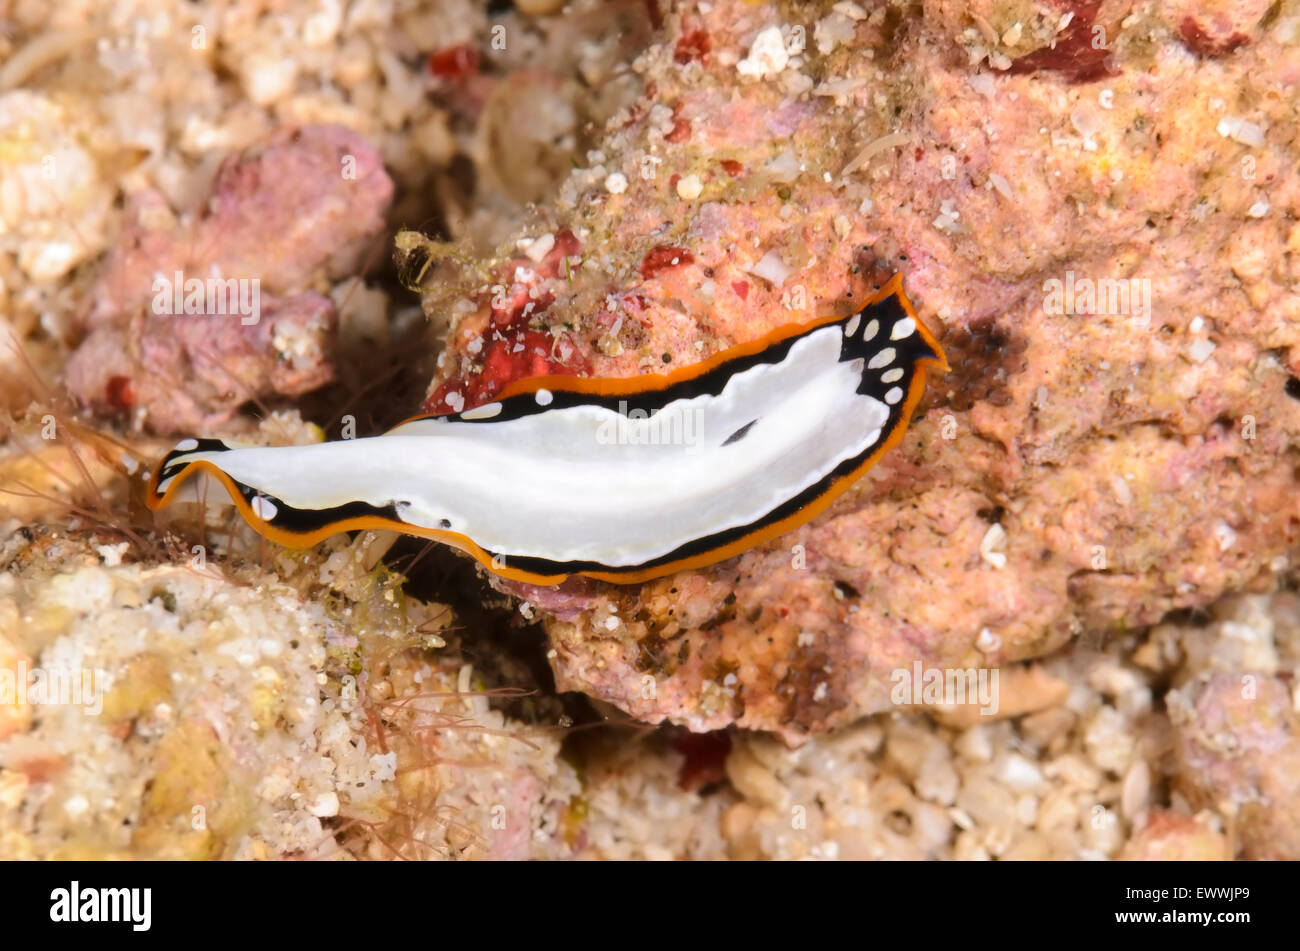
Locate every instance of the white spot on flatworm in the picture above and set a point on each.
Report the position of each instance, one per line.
(894, 395)
(892, 376)
(903, 328)
(263, 508)
(486, 411)
(852, 326)
(883, 359)
(185, 445)
(873, 328)
(543, 397)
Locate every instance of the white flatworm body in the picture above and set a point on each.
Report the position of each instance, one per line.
(623, 480)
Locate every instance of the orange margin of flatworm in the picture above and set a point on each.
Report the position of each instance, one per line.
(603, 387)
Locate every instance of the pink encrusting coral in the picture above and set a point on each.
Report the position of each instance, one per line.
(1109, 253)
(283, 219)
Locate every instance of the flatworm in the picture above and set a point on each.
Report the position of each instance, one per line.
(623, 480)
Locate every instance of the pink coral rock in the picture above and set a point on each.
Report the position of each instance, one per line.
(1116, 296)
(1239, 751)
(284, 218)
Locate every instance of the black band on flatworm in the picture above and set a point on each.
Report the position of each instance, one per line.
(888, 311)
